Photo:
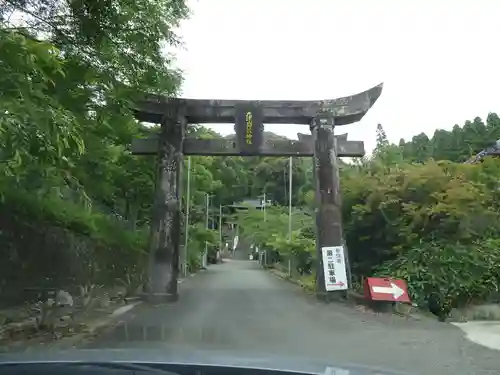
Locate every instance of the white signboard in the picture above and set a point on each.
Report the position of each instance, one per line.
(334, 268)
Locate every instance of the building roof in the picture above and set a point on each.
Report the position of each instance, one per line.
(253, 203)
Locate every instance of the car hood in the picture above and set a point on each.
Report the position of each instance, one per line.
(194, 357)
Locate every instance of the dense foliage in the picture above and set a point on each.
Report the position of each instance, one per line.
(410, 214)
(68, 73)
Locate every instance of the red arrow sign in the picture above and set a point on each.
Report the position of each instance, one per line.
(339, 284)
(386, 289)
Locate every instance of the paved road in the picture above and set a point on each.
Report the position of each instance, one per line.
(238, 307)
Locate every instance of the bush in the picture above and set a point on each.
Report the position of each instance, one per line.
(75, 217)
(460, 273)
(198, 237)
(401, 207)
(301, 249)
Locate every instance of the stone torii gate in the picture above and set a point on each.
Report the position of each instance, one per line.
(249, 117)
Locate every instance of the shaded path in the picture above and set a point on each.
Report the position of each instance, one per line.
(239, 308)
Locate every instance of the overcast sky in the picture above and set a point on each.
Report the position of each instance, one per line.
(438, 60)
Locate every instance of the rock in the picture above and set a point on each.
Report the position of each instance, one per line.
(403, 308)
(63, 298)
(104, 301)
(65, 318)
(476, 312)
(118, 292)
(139, 289)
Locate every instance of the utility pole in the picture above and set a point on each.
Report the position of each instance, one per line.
(284, 181)
(207, 205)
(220, 228)
(265, 207)
(290, 199)
(207, 208)
(186, 224)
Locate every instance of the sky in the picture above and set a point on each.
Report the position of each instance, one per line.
(438, 59)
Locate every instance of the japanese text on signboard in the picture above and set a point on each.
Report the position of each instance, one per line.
(334, 268)
(249, 130)
(331, 267)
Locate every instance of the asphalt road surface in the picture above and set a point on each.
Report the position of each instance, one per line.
(239, 308)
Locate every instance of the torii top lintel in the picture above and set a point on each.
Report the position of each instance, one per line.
(346, 110)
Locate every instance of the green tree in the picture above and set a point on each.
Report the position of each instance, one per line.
(69, 75)
(382, 140)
